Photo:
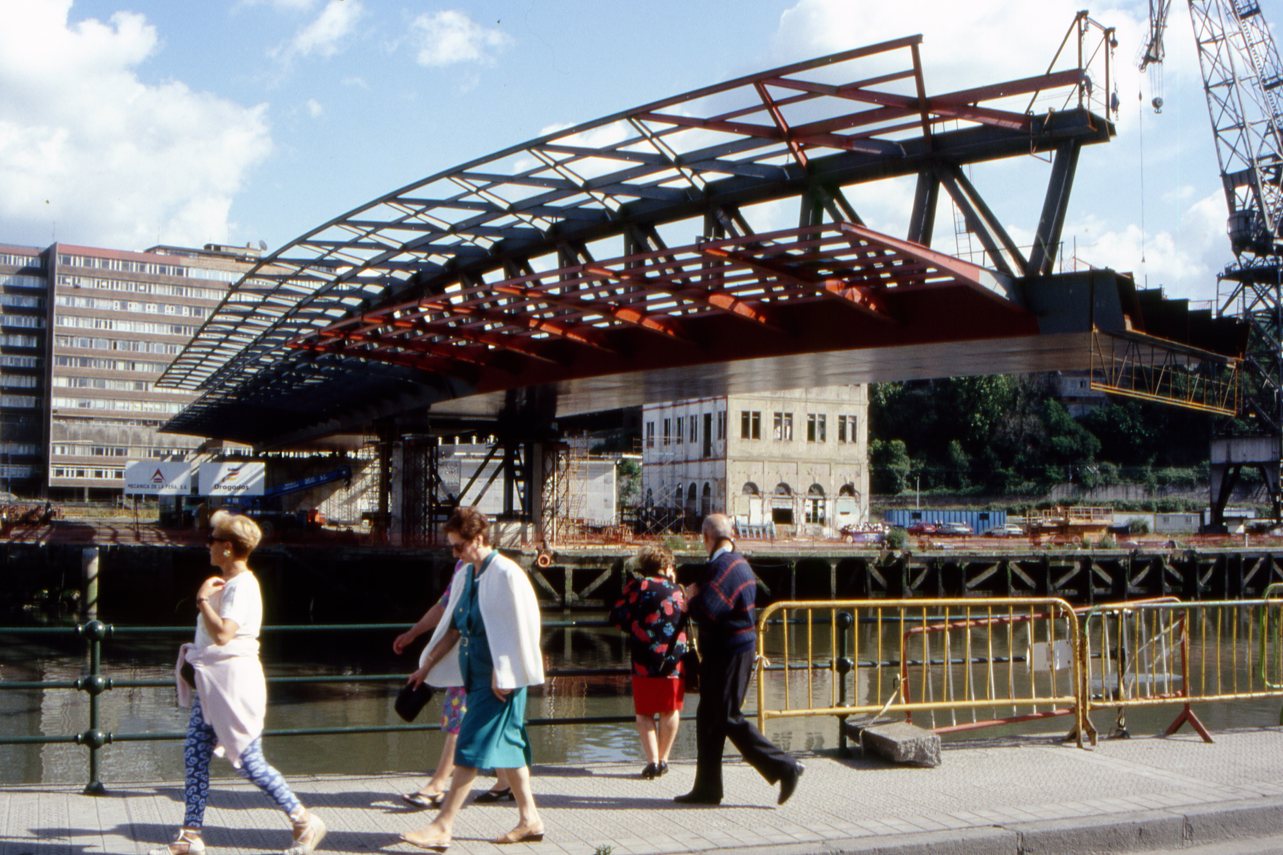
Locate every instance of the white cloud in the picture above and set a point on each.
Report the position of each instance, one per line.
(324, 36)
(450, 37)
(88, 146)
(314, 108)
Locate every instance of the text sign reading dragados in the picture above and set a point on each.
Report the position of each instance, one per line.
(157, 478)
(231, 479)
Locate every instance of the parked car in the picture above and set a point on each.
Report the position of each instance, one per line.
(921, 528)
(1007, 530)
(954, 528)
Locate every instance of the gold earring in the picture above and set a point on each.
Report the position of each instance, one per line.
(227, 553)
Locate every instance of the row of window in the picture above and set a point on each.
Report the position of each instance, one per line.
(103, 304)
(782, 426)
(121, 325)
(10, 360)
(157, 289)
(84, 449)
(677, 427)
(18, 381)
(87, 343)
(21, 280)
(18, 340)
(88, 472)
(64, 382)
(19, 449)
(122, 265)
(31, 322)
(147, 268)
(11, 260)
(133, 366)
(21, 301)
(118, 405)
(18, 402)
(16, 471)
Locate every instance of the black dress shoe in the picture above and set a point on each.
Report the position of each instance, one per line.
(694, 798)
(663, 768)
(489, 797)
(788, 782)
(650, 772)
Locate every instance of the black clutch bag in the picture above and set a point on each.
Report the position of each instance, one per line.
(411, 700)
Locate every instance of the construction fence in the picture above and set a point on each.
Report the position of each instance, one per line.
(962, 664)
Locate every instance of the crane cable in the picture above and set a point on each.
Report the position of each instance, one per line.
(1140, 126)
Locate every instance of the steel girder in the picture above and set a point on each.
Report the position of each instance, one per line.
(713, 163)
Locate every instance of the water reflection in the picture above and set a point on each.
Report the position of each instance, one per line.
(152, 710)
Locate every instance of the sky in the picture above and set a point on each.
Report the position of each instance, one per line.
(130, 123)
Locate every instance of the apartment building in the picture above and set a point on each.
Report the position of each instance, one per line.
(24, 294)
(797, 458)
(84, 334)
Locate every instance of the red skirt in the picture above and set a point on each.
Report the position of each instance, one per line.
(652, 695)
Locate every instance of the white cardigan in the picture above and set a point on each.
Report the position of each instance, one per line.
(511, 614)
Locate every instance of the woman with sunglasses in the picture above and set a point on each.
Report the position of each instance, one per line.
(221, 678)
(489, 643)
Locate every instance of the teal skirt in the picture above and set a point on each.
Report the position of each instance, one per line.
(493, 733)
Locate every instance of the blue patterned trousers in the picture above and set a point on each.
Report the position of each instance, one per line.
(198, 750)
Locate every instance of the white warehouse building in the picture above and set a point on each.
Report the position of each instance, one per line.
(797, 458)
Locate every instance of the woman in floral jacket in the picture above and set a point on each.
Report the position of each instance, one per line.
(652, 611)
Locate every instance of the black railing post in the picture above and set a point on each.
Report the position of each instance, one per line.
(95, 684)
(845, 664)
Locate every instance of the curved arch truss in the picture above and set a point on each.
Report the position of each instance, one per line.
(663, 233)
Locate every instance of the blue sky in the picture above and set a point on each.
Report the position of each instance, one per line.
(127, 123)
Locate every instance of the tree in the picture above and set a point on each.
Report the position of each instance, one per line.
(888, 466)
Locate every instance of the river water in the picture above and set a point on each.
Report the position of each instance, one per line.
(152, 710)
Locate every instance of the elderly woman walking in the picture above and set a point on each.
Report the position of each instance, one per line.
(490, 644)
(221, 678)
(652, 611)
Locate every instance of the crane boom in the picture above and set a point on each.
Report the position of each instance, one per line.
(1242, 77)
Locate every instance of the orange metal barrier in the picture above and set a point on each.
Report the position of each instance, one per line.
(978, 661)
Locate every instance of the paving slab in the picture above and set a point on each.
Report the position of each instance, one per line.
(1009, 796)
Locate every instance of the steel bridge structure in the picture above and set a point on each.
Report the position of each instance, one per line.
(705, 244)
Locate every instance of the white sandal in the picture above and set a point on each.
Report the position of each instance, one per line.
(309, 831)
(188, 842)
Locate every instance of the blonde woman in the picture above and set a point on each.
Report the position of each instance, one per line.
(227, 691)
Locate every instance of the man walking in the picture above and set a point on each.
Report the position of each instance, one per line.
(722, 605)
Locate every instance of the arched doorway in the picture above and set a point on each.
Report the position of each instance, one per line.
(749, 506)
(816, 512)
(782, 505)
(706, 500)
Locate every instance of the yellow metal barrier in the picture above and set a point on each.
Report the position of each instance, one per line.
(1154, 653)
(978, 661)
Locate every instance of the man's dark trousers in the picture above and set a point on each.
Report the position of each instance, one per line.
(723, 682)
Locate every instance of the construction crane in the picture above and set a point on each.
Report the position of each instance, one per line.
(1242, 77)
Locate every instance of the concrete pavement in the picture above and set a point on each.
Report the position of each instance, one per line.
(1014, 796)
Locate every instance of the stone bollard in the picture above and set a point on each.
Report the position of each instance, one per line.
(898, 742)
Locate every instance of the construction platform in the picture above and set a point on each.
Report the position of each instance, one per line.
(1151, 794)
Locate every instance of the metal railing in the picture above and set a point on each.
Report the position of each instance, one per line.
(1157, 653)
(95, 682)
(990, 660)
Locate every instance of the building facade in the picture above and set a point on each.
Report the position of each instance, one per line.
(84, 334)
(797, 458)
(24, 365)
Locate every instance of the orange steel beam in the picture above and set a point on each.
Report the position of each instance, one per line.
(776, 116)
(720, 300)
(859, 297)
(624, 314)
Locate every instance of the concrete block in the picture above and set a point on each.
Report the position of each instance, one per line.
(1155, 831)
(1213, 823)
(898, 742)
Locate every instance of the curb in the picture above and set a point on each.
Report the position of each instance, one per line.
(1135, 831)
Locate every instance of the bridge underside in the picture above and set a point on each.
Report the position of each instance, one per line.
(639, 258)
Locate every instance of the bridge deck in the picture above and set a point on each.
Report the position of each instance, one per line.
(986, 796)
